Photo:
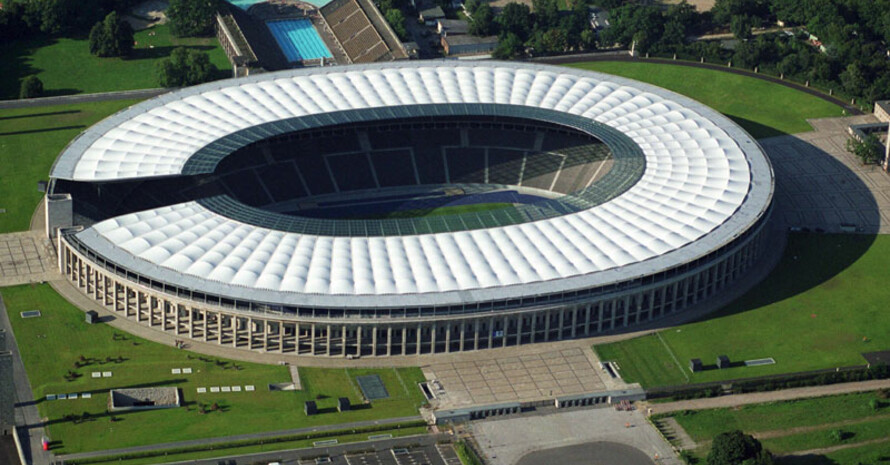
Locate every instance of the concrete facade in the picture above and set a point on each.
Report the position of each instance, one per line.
(177, 311)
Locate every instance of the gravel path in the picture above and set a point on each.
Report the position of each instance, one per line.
(771, 396)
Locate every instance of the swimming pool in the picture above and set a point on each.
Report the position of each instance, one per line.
(245, 4)
(298, 39)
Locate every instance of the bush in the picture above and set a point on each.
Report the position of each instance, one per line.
(32, 87)
(836, 435)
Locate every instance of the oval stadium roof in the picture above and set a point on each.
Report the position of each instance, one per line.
(705, 182)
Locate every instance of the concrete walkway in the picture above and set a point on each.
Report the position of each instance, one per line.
(82, 98)
(771, 396)
(27, 418)
(239, 437)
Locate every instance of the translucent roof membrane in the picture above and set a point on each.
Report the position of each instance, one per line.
(705, 182)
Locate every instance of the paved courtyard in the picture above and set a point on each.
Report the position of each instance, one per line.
(506, 441)
(820, 185)
(24, 258)
(525, 373)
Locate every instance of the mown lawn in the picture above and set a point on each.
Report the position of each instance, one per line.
(53, 343)
(800, 425)
(822, 307)
(30, 140)
(763, 108)
(66, 66)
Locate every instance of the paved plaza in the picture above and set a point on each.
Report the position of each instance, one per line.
(820, 185)
(25, 258)
(506, 441)
(525, 373)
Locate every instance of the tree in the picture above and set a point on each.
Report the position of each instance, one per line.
(516, 18)
(185, 67)
(737, 448)
(867, 150)
(396, 19)
(483, 21)
(546, 14)
(853, 79)
(190, 18)
(740, 26)
(112, 37)
(470, 6)
(509, 47)
(32, 87)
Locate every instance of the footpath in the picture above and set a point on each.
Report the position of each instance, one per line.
(771, 396)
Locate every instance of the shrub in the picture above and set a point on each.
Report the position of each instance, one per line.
(32, 87)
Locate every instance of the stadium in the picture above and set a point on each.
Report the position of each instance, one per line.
(408, 208)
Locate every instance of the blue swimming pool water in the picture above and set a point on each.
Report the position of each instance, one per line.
(298, 39)
(245, 4)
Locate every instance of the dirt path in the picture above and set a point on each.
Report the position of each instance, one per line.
(806, 429)
(828, 450)
(772, 396)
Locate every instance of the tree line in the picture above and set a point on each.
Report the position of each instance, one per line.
(854, 36)
(109, 34)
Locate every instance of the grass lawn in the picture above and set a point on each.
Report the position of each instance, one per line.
(282, 446)
(823, 305)
(703, 425)
(51, 344)
(66, 66)
(30, 140)
(815, 419)
(872, 453)
(455, 210)
(763, 108)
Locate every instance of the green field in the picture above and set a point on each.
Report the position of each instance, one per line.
(53, 343)
(30, 140)
(66, 66)
(793, 426)
(763, 108)
(455, 210)
(823, 305)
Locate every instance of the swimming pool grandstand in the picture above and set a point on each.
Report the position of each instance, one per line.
(362, 32)
(276, 35)
(287, 211)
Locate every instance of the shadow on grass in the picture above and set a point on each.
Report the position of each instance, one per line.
(811, 259)
(34, 131)
(164, 51)
(15, 57)
(35, 115)
(810, 459)
(757, 130)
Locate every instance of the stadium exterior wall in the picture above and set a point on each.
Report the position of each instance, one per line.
(162, 307)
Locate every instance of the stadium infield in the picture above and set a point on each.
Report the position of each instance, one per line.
(763, 108)
(51, 347)
(822, 307)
